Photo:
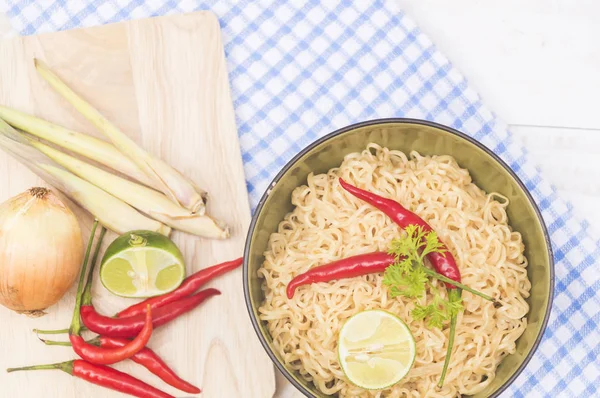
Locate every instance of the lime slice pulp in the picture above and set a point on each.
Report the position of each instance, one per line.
(142, 264)
(376, 349)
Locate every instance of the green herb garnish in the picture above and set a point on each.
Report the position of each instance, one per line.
(408, 277)
(438, 311)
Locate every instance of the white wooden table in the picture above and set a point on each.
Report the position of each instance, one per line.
(537, 65)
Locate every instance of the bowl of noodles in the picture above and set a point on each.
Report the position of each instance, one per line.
(483, 218)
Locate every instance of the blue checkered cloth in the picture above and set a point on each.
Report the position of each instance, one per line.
(300, 71)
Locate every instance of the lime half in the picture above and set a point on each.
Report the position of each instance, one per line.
(142, 264)
(376, 349)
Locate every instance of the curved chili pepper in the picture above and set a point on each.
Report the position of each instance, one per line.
(103, 376)
(364, 264)
(444, 264)
(151, 361)
(188, 287)
(89, 352)
(108, 356)
(350, 267)
(146, 357)
(131, 326)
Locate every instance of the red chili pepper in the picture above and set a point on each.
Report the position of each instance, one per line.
(103, 376)
(350, 267)
(188, 287)
(151, 361)
(89, 352)
(364, 264)
(444, 264)
(146, 357)
(108, 356)
(131, 326)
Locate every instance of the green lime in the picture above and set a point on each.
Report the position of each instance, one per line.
(142, 264)
(376, 349)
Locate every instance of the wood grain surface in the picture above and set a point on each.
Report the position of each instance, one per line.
(164, 82)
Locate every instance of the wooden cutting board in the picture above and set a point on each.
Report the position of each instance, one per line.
(164, 82)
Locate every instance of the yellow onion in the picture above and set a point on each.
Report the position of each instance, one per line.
(41, 251)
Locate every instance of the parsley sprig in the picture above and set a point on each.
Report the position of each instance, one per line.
(437, 311)
(409, 277)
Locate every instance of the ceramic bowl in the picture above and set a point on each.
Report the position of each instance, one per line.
(488, 171)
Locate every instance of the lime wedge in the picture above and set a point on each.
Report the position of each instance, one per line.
(376, 349)
(142, 264)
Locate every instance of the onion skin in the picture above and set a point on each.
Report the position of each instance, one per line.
(41, 250)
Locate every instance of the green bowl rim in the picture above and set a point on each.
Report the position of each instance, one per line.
(310, 147)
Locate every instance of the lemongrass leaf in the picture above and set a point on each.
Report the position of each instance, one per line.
(93, 148)
(170, 181)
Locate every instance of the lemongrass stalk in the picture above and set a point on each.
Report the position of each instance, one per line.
(146, 200)
(112, 212)
(171, 182)
(82, 144)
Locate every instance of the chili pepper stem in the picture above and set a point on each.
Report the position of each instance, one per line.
(76, 321)
(86, 298)
(64, 366)
(459, 285)
(94, 341)
(103, 376)
(454, 295)
(51, 342)
(56, 331)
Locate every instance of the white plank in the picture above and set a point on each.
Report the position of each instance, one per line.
(569, 159)
(534, 62)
